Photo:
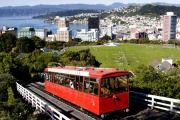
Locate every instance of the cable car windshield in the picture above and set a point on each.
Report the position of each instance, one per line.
(114, 85)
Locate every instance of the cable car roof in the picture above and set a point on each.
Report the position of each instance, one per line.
(87, 71)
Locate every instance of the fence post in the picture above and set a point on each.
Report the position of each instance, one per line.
(171, 107)
(152, 105)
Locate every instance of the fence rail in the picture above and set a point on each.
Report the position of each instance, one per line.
(153, 101)
(158, 102)
(40, 104)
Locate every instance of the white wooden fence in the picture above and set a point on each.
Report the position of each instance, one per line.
(158, 102)
(39, 104)
(153, 101)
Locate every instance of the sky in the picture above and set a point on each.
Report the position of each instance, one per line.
(57, 2)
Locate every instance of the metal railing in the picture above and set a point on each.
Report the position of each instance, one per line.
(158, 102)
(40, 104)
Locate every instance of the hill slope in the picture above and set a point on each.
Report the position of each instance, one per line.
(44, 9)
(158, 10)
(130, 56)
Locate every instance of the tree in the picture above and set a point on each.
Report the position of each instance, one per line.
(25, 45)
(80, 58)
(20, 111)
(7, 42)
(11, 99)
(104, 39)
(52, 64)
(6, 63)
(77, 39)
(38, 42)
(57, 45)
(5, 81)
(155, 82)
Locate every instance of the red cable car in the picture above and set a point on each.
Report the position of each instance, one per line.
(98, 90)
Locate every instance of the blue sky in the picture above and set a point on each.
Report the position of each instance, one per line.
(55, 2)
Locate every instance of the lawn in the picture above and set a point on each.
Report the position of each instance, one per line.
(129, 56)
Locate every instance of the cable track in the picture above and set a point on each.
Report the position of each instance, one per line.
(85, 115)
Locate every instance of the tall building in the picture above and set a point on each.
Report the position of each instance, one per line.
(93, 22)
(63, 32)
(105, 30)
(62, 22)
(41, 33)
(92, 35)
(169, 26)
(26, 32)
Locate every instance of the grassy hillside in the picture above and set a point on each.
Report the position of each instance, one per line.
(129, 56)
(158, 10)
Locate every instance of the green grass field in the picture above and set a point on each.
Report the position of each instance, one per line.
(129, 56)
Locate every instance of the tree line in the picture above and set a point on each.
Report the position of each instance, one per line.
(157, 10)
(21, 60)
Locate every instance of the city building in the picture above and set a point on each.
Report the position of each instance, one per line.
(169, 26)
(93, 22)
(123, 36)
(105, 30)
(26, 32)
(41, 33)
(142, 35)
(85, 35)
(12, 30)
(133, 33)
(50, 38)
(61, 22)
(63, 32)
(138, 34)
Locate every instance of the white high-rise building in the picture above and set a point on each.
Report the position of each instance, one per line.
(169, 26)
(63, 32)
(41, 33)
(105, 30)
(85, 35)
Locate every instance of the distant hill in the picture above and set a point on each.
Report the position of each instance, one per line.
(158, 10)
(44, 9)
(166, 4)
(64, 13)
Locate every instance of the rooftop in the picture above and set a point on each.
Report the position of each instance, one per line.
(27, 29)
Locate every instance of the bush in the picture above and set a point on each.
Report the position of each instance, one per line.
(80, 58)
(150, 80)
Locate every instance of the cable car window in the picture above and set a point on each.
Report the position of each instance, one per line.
(46, 76)
(53, 77)
(94, 88)
(59, 78)
(114, 85)
(86, 85)
(80, 83)
(56, 78)
(66, 80)
(91, 86)
(72, 82)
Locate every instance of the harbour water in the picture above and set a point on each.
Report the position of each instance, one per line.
(27, 21)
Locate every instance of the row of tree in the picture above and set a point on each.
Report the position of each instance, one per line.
(9, 43)
(21, 60)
